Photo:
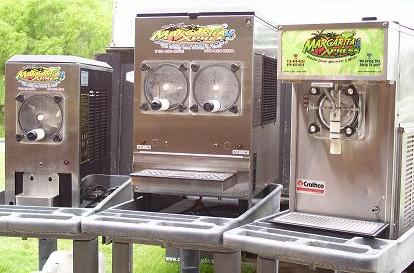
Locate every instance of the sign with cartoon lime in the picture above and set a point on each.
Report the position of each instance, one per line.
(338, 52)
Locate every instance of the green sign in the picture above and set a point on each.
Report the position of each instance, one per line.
(333, 52)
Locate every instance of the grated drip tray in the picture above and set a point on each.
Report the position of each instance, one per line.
(329, 223)
(187, 175)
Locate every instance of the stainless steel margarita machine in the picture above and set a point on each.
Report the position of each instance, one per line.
(206, 136)
(207, 115)
(352, 149)
(57, 127)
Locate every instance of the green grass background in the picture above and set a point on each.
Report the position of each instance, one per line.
(20, 256)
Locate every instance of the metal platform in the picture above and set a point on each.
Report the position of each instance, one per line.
(337, 224)
(51, 223)
(169, 228)
(190, 233)
(42, 222)
(319, 249)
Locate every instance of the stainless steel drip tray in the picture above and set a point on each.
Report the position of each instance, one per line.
(219, 181)
(330, 223)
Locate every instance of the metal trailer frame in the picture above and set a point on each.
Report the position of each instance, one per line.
(187, 232)
(347, 254)
(52, 223)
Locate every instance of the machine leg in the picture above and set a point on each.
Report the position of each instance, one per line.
(190, 261)
(46, 247)
(85, 256)
(265, 265)
(227, 262)
(172, 254)
(122, 258)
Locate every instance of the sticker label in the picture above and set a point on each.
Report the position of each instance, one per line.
(333, 52)
(84, 78)
(144, 147)
(129, 77)
(180, 37)
(40, 77)
(310, 187)
(240, 152)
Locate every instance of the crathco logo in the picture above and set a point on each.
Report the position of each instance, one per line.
(40, 77)
(193, 37)
(310, 187)
(332, 45)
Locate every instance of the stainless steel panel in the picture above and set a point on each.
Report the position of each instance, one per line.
(205, 131)
(201, 141)
(39, 190)
(48, 158)
(405, 196)
(266, 149)
(405, 94)
(265, 38)
(359, 179)
(35, 200)
(30, 158)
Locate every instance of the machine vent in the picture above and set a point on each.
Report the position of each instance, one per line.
(98, 125)
(84, 127)
(407, 180)
(269, 91)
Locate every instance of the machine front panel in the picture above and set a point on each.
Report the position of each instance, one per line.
(341, 174)
(193, 85)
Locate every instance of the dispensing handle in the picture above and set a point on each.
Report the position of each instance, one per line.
(36, 135)
(212, 106)
(158, 104)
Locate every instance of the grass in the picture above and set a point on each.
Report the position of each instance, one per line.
(1, 126)
(20, 256)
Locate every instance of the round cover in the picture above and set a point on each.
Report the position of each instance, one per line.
(166, 82)
(349, 109)
(217, 83)
(40, 112)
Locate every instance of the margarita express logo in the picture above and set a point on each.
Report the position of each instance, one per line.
(193, 37)
(332, 45)
(40, 77)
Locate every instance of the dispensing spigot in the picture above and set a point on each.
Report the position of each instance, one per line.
(334, 116)
(335, 132)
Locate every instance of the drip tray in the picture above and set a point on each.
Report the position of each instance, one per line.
(329, 223)
(176, 178)
(190, 175)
